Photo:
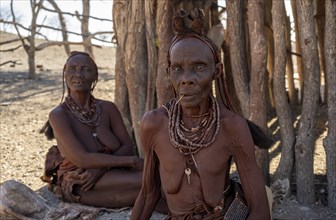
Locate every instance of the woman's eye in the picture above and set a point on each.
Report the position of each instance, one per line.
(200, 67)
(85, 69)
(70, 70)
(176, 68)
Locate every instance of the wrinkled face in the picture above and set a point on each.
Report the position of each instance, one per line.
(80, 73)
(191, 71)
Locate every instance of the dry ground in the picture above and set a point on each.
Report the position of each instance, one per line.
(25, 104)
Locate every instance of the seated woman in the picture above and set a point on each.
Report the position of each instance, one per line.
(93, 162)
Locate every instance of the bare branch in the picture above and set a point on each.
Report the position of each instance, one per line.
(100, 33)
(12, 49)
(60, 43)
(53, 28)
(14, 23)
(56, 29)
(23, 27)
(72, 14)
(16, 28)
(293, 53)
(14, 62)
(10, 41)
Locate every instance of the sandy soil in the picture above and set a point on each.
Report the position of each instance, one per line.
(25, 104)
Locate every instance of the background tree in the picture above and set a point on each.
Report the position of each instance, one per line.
(63, 26)
(330, 140)
(164, 30)
(136, 65)
(238, 55)
(292, 94)
(119, 13)
(258, 45)
(150, 19)
(304, 146)
(320, 22)
(283, 110)
(34, 31)
(270, 54)
(297, 47)
(84, 20)
(30, 47)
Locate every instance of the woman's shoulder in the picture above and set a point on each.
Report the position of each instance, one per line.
(233, 121)
(58, 116)
(58, 111)
(154, 118)
(106, 104)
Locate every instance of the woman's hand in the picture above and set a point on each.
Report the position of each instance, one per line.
(89, 178)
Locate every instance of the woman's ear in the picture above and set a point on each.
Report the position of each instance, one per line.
(218, 70)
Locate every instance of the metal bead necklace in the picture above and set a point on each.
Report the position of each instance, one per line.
(189, 141)
(90, 117)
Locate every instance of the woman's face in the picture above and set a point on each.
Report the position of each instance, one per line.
(80, 72)
(191, 72)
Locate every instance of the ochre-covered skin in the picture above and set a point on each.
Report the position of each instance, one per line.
(105, 172)
(192, 70)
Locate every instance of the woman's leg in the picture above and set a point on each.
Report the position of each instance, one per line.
(116, 188)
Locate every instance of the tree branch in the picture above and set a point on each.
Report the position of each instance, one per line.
(72, 14)
(14, 62)
(12, 49)
(293, 53)
(10, 41)
(60, 43)
(16, 28)
(56, 29)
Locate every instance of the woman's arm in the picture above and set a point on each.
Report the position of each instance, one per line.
(72, 149)
(249, 171)
(151, 183)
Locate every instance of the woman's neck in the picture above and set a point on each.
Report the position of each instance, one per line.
(197, 111)
(82, 100)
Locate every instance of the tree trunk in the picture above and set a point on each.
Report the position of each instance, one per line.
(330, 141)
(136, 65)
(228, 77)
(258, 113)
(270, 54)
(292, 94)
(320, 22)
(121, 93)
(238, 53)
(35, 9)
(304, 147)
(298, 49)
(284, 170)
(247, 40)
(214, 17)
(85, 28)
(165, 33)
(63, 26)
(150, 14)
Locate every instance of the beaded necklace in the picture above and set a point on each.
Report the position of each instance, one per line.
(188, 140)
(90, 117)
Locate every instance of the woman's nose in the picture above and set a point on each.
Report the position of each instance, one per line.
(78, 72)
(188, 77)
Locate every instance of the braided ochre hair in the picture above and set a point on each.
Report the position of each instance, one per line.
(183, 29)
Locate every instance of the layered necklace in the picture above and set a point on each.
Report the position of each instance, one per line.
(190, 140)
(89, 117)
